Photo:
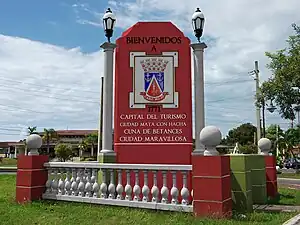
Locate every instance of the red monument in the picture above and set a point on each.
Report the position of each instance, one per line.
(153, 99)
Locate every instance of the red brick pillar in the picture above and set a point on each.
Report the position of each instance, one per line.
(31, 177)
(271, 176)
(211, 186)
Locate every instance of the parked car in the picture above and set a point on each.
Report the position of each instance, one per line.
(292, 163)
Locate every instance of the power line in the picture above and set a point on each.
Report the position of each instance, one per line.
(16, 107)
(47, 96)
(10, 129)
(230, 98)
(52, 87)
(227, 82)
(47, 86)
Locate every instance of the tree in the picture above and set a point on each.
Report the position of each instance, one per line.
(48, 136)
(63, 152)
(32, 130)
(271, 133)
(249, 148)
(285, 66)
(91, 139)
(244, 135)
(83, 146)
(277, 137)
(292, 138)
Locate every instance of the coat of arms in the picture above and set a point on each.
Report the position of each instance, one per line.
(154, 79)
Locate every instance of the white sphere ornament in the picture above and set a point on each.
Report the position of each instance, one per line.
(34, 142)
(210, 137)
(264, 144)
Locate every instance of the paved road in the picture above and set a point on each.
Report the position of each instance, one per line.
(288, 182)
(284, 170)
(6, 173)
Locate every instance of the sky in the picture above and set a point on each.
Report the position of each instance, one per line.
(51, 63)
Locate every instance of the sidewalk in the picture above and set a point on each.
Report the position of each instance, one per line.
(277, 208)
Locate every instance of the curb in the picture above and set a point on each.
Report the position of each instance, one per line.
(293, 221)
(8, 169)
(284, 178)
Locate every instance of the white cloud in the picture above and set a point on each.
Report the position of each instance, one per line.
(49, 86)
(241, 31)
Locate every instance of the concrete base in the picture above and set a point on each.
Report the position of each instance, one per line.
(211, 186)
(241, 185)
(258, 179)
(271, 176)
(108, 157)
(31, 178)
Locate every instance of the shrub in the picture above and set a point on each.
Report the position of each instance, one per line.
(63, 152)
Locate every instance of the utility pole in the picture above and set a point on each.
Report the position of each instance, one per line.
(257, 93)
(277, 140)
(263, 119)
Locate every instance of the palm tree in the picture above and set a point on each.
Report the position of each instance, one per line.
(48, 136)
(31, 130)
(91, 139)
(83, 146)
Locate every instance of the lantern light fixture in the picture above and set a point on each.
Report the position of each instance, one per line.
(109, 21)
(198, 23)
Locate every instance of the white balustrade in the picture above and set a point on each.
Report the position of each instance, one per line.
(120, 188)
(145, 189)
(61, 183)
(88, 184)
(128, 188)
(68, 183)
(79, 182)
(111, 187)
(174, 190)
(154, 189)
(103, 186)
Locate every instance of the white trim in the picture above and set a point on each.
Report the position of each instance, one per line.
(132, 55)
(116, 202)
(213, 201)
(153, 167)
(30, 187)
(169, 143)
(174, 54)
(212, 176)
(31, 170)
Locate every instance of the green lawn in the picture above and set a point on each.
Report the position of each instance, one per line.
(53, 212)
(289, 175)
(287, 197)
(8, 162)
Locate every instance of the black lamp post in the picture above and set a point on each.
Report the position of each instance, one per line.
(198, 23)
(271, 108)
(109, 21)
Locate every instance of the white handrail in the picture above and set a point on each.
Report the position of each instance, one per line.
(93, 165)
